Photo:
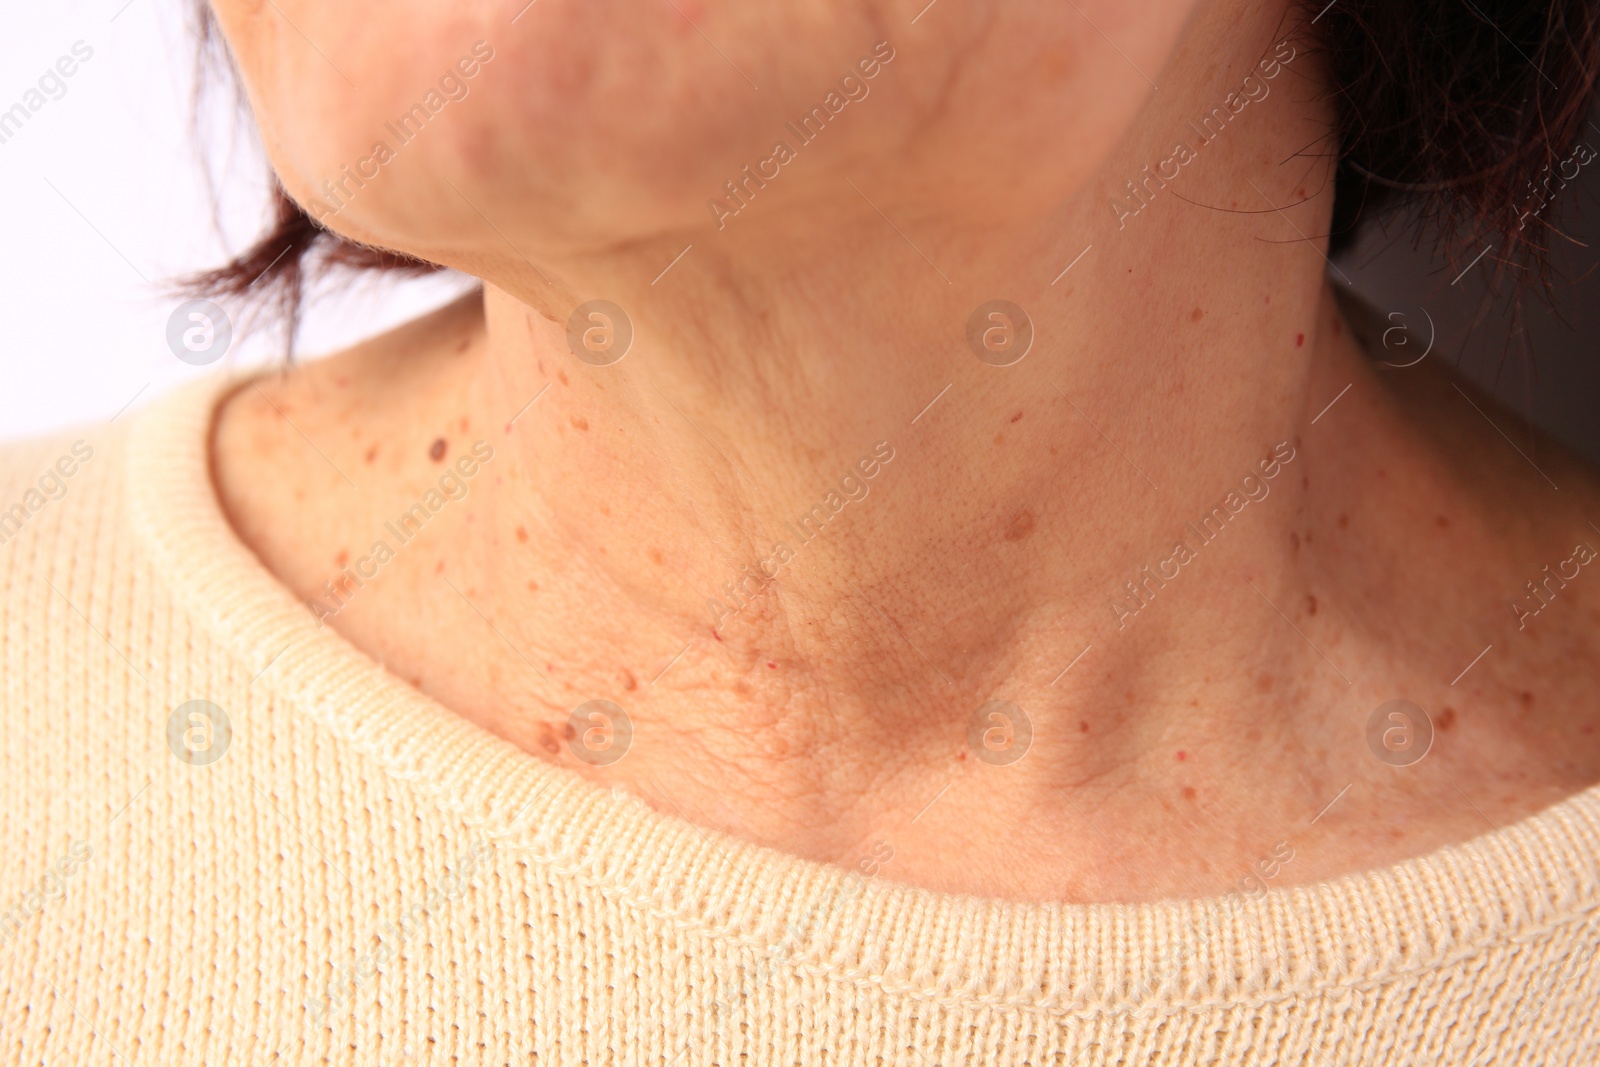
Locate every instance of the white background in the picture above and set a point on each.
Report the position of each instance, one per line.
(106, 203)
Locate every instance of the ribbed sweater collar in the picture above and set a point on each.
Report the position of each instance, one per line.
(1347, 934)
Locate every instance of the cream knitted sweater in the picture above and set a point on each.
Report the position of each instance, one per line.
(319, 864)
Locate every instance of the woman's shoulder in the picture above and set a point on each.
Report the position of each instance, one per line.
(48, 479)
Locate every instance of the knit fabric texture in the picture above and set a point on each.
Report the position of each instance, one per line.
(230, 837)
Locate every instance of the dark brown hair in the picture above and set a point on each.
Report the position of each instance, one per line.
(1462, 110)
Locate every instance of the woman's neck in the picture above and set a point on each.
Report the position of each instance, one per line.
(806, 534)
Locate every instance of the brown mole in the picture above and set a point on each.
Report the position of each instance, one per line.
(437, 449)
(1447, 719)
(1020, 526)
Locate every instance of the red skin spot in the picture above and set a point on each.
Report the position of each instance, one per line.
(1301, 192)
(1016, 417)
(533, 586)
(630, 683)
(961, 756)
(772, 665)
(1444, 523)
(562, 375)
(1344, 522)
(437, 449)
(716, 635)
(1188, 792)
(1311, 605)
(1299, 340)
(1197, 314)
(372, 453)
(1083, 727)
(1182, 755)
(342, 558)
(522, 534)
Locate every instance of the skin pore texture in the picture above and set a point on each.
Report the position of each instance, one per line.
(829, 715)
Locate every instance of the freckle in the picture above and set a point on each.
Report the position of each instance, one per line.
(1188, 792)
(999, 438)
(1194, 702)
(1252, 735)
(1527, 699)
(436, 450)
(1338, 327)
(1052, 450)
(372, 453)
(1300, 192)
(1197, 314)
(1588, 728)
(462, 347)
(416, 683)
(605, 509)
(1182, 755)
(1447, 718)
(439, 567)
(1017, 417)
(1294, 541)
(1083, 727)
(656, 557)
(522, 534)
(1309, 538)
(1305, 483)
(463, 424)
(533, 586)
(562, 375)
(1021, 526)
(629, 682)
(1396, 833)
(1311, 604)
(1344, 522)
(1264, 683)
(1444, 523)
(341, 381)
(342, 558)
(580, 423)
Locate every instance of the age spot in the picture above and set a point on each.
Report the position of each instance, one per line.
(580, 423)
(1020, 527)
